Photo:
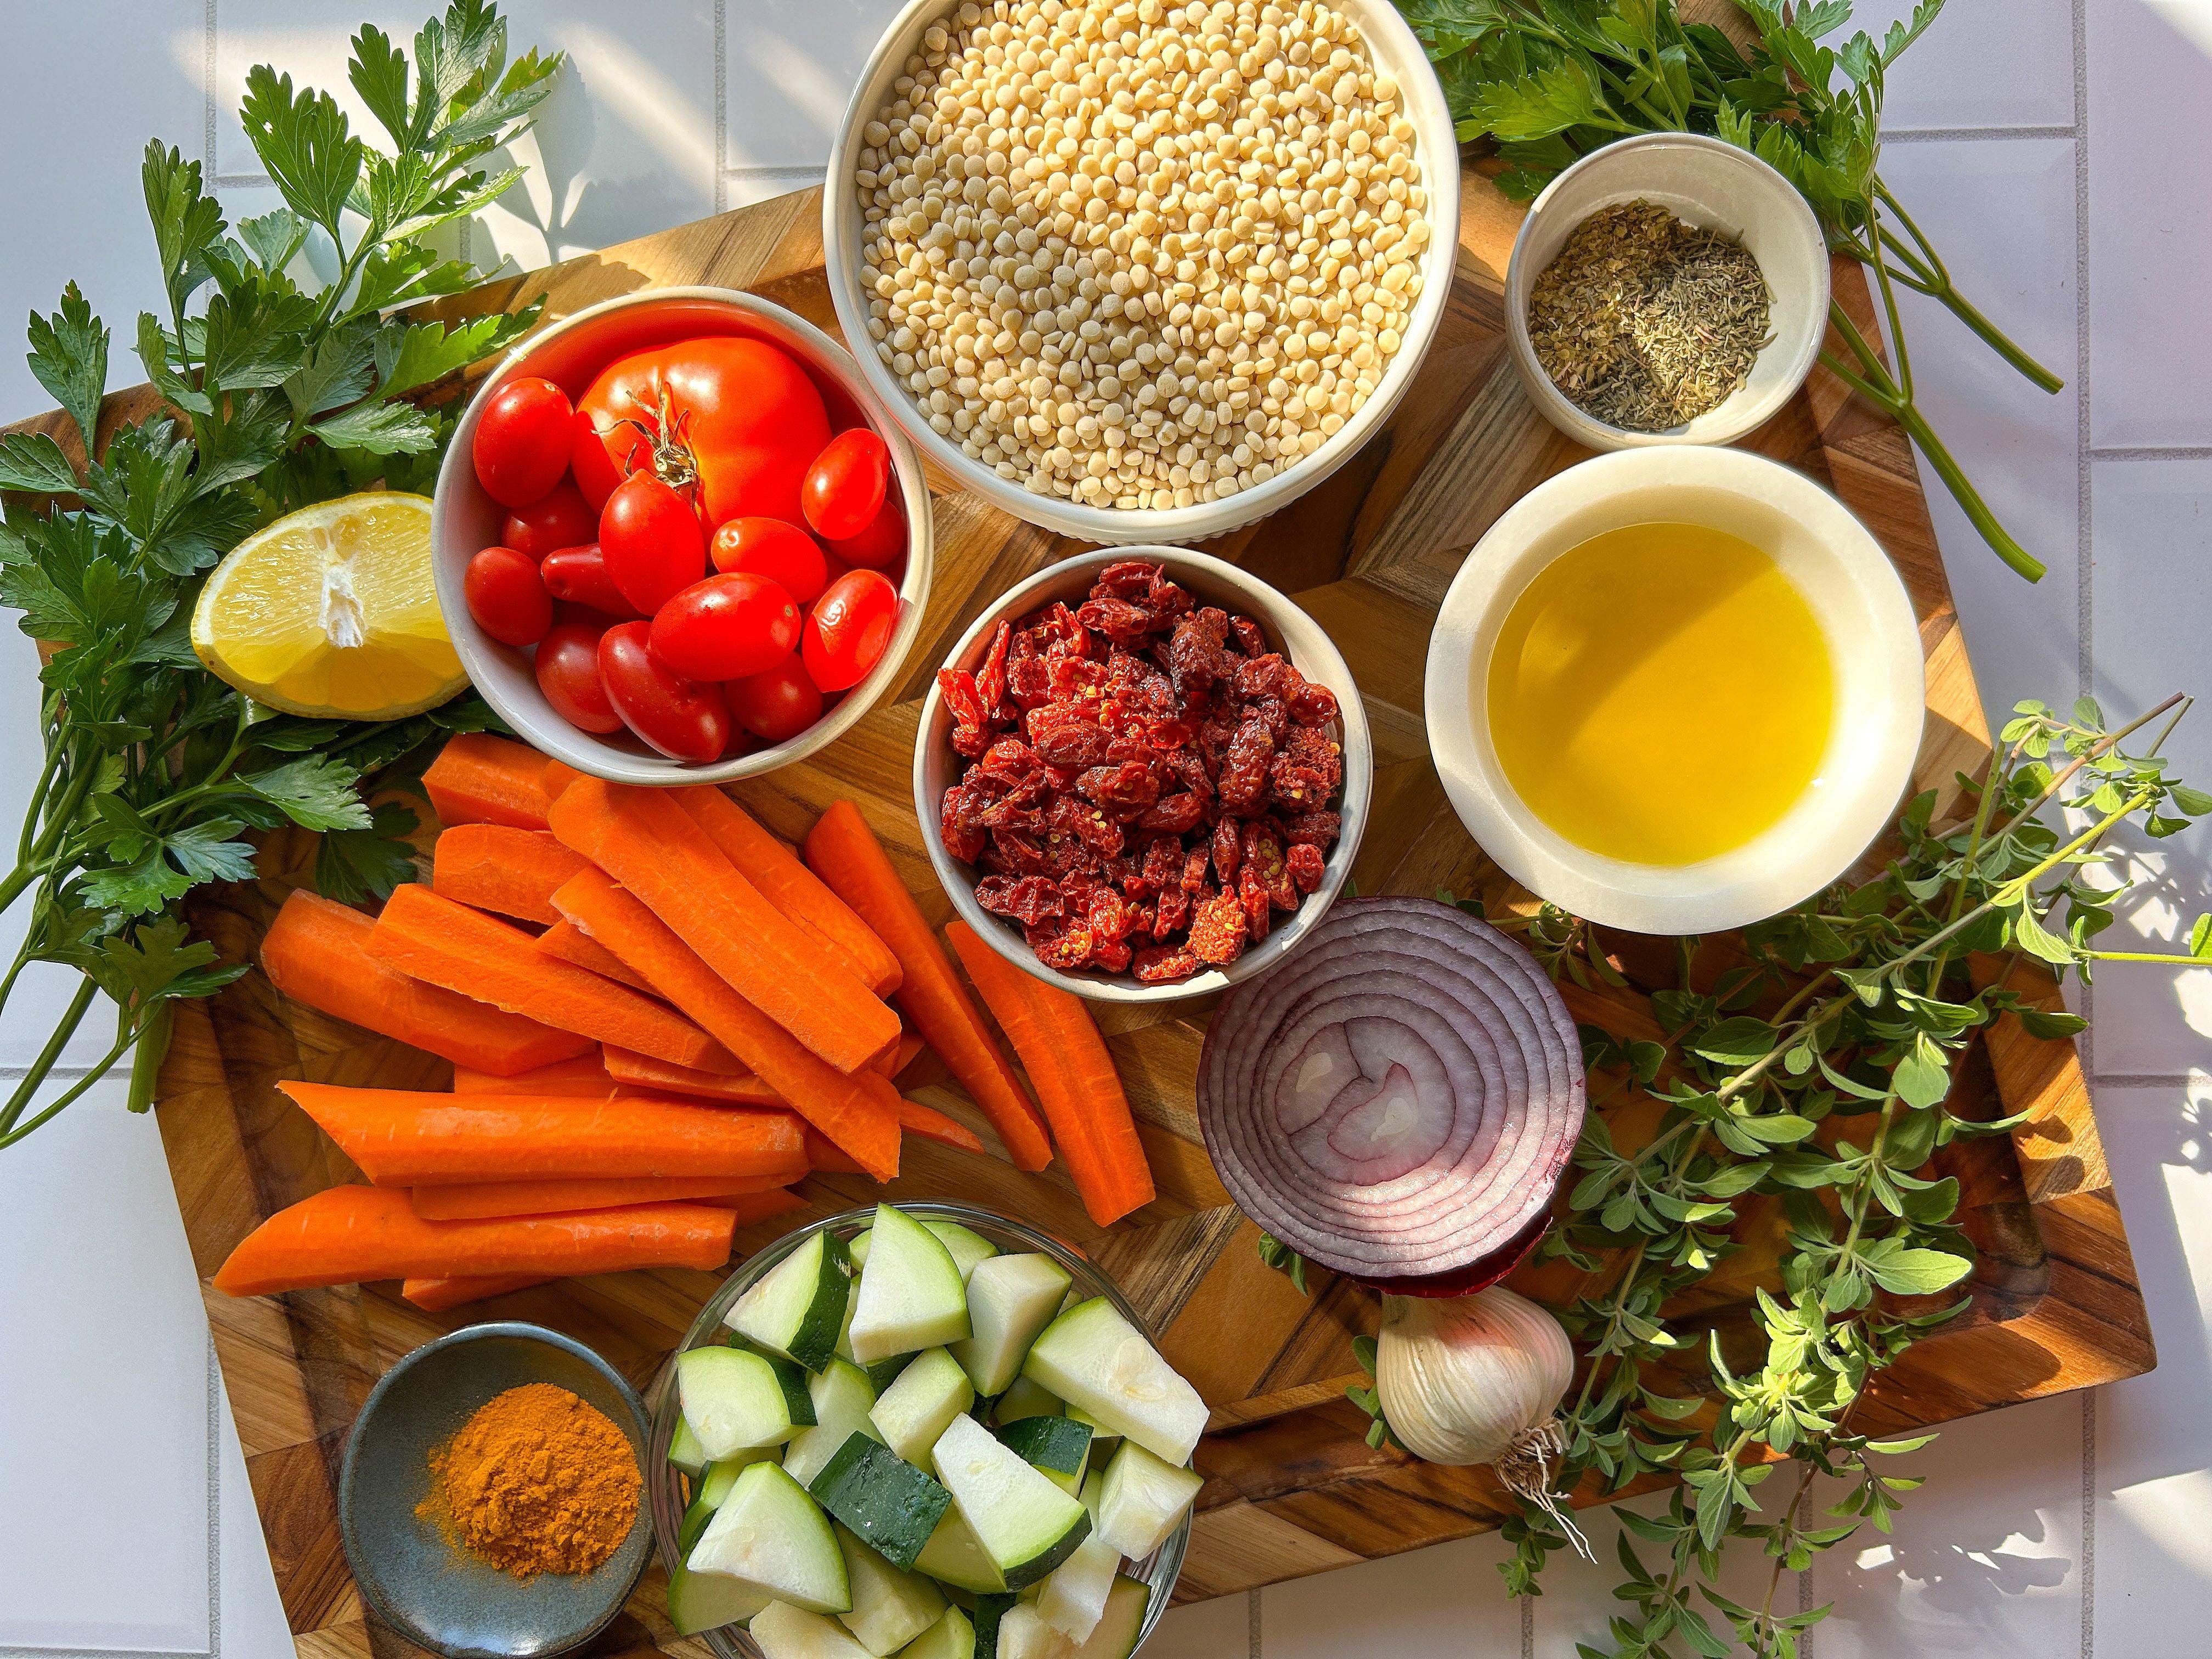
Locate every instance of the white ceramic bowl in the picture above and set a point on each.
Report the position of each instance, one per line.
(1855, 596)
(1393, 48)
(1289, 630)
(571, 353)
(1715, 186)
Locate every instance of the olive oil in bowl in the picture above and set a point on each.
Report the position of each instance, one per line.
(1660, 694)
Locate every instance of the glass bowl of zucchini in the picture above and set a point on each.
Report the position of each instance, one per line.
(921, 1430)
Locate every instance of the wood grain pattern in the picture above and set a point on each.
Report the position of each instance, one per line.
(1292, 1487)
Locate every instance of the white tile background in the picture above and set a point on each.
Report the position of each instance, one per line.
(2055, 151)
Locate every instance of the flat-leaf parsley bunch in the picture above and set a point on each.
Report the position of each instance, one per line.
(1550, 81)
(276, 395)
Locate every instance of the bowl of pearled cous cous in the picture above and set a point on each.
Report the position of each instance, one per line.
(1143, 775)
(490, 1498)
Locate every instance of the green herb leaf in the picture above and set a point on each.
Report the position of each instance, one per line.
(315, 791)
(354, 866)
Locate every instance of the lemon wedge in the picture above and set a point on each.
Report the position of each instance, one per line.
(331, 612)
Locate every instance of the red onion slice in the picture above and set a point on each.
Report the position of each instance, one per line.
(1396, 1100)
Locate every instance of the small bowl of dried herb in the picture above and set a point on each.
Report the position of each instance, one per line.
(1670, 288)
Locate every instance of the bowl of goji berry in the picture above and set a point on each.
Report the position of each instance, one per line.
(1142, 776)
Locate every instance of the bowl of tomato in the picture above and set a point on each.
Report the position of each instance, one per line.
(677, 540)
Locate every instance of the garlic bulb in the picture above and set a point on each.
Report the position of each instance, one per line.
(1478, 1379)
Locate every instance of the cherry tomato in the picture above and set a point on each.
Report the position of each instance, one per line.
(507, 596)
(745, 414)
(579, 574)
(597, 475)
(777, 703)
(848, 629)
(682, 719)
(725, 627)
(560, 518)
(652, 542)
(881, 544)
(567, 666)
(523, 440)
(844, 488)
(782, 552)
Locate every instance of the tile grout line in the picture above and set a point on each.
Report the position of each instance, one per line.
(1251, 1625)
(2152, 453)
(2147, 1079)
(721, 104)
(1957, 135)
(2085, 648)
(213, 1502)
(1527, 1627)
(207, 88)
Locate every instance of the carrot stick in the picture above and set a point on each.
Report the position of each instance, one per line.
(480, 779)
(570, 942)
(647, 842)
(751, 1208)
(316, 952)
(472, 1201)
(910, 1046)
(584, 1077)
(437, 1294)
(791, 886)
(826, 1155)
(401, 1138)
(347, 1235)
(844, 851)
(479, 956)
(495, 867)
(633, 1071)
(857, 1111)
(1076, 1082)
(559, 774)
(933, 1125)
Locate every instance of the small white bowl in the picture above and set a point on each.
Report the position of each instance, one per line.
(1855, 596)
(464, 519)
(1712, 184)
(1289, 630)
(1393, 50)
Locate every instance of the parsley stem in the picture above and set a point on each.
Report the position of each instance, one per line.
(125, 1037)
(28, 1088)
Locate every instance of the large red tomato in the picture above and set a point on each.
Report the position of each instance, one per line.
(738, 414)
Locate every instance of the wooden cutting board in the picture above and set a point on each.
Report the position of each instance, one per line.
(1293, 1487)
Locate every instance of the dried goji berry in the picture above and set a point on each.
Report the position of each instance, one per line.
(1228, 849)
(1217, 929)
(1306, 865)
(1028, 899)
(991, 680)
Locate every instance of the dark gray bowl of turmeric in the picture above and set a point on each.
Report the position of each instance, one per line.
(489, 1500)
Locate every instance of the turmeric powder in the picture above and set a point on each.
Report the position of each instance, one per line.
(537, 1480)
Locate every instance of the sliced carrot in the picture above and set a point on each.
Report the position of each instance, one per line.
(347, 1235)
(752, 1208)
(933, 1125)
(480, 779)
(495, 867)
(910, 1049)
(826, 1155)
(584, 1077)
(844, 851)
(479, 956)
(646, 841)
(790, 887)
(437, 1294)
(559, 774)
(472, 1201)
(401, 1138)
(1076, 1082)
(317, 952)
(570, 942)
(633, 1071)
(858, 1111)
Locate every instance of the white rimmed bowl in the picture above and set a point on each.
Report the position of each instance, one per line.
(464, 519)
(1855, 596)
(1715, 186)
(1393, 48)
(1289, 630)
